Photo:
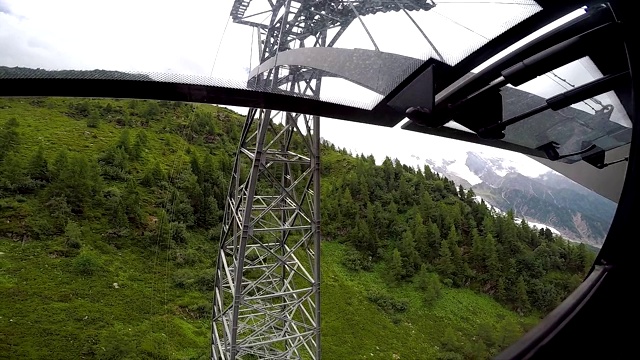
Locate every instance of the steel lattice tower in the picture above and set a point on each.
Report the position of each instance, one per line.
(267, 297)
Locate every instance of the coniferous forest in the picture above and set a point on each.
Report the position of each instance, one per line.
(111, 215)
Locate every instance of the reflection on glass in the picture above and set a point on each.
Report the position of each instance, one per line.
(231, 40)
(600, 121)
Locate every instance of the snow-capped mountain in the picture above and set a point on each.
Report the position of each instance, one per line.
(532, 190)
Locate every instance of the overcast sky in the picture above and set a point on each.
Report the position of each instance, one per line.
(195, 37)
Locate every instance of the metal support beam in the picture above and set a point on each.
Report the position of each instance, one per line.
(267, 278)
(267, 282)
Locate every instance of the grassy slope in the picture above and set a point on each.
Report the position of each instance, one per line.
(49, 311)
(42, 298)
(354, 328)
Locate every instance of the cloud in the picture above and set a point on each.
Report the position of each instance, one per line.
(4, 8)
(116, 35)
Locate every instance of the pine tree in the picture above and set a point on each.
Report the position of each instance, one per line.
(186, 198)
(153, 175)
(348, 209)
(140, 142)
(38, 168)
(359, 236)
(79, 181)
(429, 284)
(487, 226)
(180, 209)
(124, 142)
(131, 201)
(433, 241)
(410, 257)
(195, 167)
(452, 236)
(9, 137)
(405, 193)
(508, 236)
(468, 225)
(210, 172)
(458, 272)
(59, 211)
(396, 268)
(582, 260)
(116, 210)
(428, 174)
(444, 262)
(477, 253)
(210, 211)
(393, 226)
(213, 177)
(470, 197)
(421, 237)
(491, 258)
(12, 174)
(388, 172)
(60, 163)
(535, 239)
(73, 233)
(501, 291)
(543, 255)
(525, 232)
(120, 159)
(520, 298)
(427, 207)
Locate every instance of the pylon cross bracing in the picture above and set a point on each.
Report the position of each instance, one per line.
(267, 296)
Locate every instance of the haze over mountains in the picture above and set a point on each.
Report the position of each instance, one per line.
(544, 197)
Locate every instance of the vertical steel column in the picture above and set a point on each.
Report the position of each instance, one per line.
(267, 283)
(266, 301)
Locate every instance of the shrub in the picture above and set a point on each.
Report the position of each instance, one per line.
(387, 302)
(354, 260)
(183, 278)
(64, 252)
(73, 233)
(39, 227)
(429, 284)
(86, 264)
(200, 311)
(449, 355)
(39, 102)
(153, 175)
(200, 281)
(80, 109)
(186, 257)
(74, 244)
(93, 122)
(114, 173)
(205, 280)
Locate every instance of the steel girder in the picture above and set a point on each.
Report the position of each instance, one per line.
(267, 297)
(266, 302)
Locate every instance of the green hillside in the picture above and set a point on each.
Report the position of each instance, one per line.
(110, 214)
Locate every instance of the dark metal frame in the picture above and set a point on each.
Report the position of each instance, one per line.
(590, 323)
(595, 322)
